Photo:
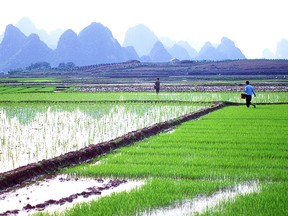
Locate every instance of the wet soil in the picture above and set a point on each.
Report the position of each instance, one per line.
(57, 193)
(270, 87)
(202, 203)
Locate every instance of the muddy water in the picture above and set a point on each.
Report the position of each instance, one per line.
(58, 193)
(199, 205)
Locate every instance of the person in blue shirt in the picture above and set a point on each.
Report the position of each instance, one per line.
(249, 90)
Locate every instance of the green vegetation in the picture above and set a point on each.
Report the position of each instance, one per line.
(262, 97)
(271, 201)
(234, 147)
(155, 193)
(198, 158)
(29, 80)
(37, 131)
(26, 89)
(226, 147)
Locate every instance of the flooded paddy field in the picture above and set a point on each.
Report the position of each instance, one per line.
(216, 154)
(61, 192)
(200, 204)
(212, 162)
(36, 131)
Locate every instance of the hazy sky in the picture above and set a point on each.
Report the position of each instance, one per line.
(252, 24)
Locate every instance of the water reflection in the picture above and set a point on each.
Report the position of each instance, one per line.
(32, 132)
(64, 188)
(201, 204)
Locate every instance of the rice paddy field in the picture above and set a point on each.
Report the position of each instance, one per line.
(31, 132)
(262, 97)
(228, 147)
(238, 151)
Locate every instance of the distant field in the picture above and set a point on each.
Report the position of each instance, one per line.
(189, 69)
(26, 89)
(168, 84)
(28, 79)
(262, 97)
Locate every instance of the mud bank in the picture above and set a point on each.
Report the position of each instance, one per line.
(57, 193)
(30, 171)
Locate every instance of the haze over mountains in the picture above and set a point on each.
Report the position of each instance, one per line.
(24, 44)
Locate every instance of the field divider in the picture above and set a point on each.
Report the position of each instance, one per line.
(48, 166)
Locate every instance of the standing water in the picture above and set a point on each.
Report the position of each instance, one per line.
(32, 132)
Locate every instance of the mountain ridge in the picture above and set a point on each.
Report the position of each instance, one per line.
(95, 44)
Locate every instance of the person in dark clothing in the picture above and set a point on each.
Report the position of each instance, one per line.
(157, 86)
(249, 90)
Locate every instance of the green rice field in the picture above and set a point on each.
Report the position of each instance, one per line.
(227, 147)
(262, 97)
(234, 147)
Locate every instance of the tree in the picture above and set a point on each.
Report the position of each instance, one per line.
(62, 65)
(39, 65)
(67, 65)
(70, 65)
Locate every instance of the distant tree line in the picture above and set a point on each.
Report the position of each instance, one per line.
(68, 65)
(39, 65)
(47, 66)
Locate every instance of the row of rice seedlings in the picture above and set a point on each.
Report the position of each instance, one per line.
(262, 97)
(250, 158)
(29, 133)
(202, 158)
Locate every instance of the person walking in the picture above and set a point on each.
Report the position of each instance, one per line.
(157, 85)
(249, 90)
